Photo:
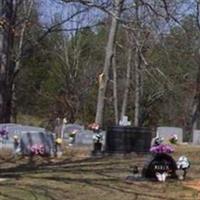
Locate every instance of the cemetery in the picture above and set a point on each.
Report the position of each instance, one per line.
(120, 161)
(99, 99)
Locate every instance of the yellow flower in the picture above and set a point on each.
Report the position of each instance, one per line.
(58, 140)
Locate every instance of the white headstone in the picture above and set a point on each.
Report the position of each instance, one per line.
(196, 137)
(69, 128)
(86, 137)
(124, 121)
(167, 132)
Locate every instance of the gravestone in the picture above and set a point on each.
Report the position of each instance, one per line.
(124, 121)
(127, 139)
(167, 132)
(196, 137)
(69, 128)
(16, 130)
(159, 163)
(84, 138)
(29, 139)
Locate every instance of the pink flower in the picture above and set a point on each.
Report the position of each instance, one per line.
(94, 126)
(37, 149)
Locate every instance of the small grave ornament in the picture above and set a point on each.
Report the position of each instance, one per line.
(97, 137)
(157, 141)
(16, 142)
(173, 139)
(58, 143)
(72, 135)
(183, 164)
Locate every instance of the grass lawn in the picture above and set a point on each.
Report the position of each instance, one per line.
(82, 177)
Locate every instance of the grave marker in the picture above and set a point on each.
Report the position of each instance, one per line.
(167, 132)
(196, 137)
(124, 121)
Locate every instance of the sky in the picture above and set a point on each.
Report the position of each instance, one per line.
(50, 8)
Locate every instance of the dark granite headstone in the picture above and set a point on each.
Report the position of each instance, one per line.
(160, 163)
(127, 139)
(30, 139)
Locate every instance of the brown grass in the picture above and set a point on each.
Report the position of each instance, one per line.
(79, 176)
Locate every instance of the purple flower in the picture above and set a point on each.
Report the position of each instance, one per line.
(3, 133)
(162, 148)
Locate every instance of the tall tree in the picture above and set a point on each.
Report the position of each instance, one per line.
(104, 76)
(10, 27)
(8, 19)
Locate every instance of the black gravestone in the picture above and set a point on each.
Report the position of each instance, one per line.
(97, 147)
(126, 139)
(160, 163)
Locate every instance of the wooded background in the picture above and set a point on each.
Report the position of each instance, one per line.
(97, 60)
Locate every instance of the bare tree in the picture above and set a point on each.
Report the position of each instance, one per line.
(195, 110)
(8, 19)
(127, 84)
(108, 60)
(115, 96)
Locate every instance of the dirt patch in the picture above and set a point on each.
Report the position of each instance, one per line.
(193, 184)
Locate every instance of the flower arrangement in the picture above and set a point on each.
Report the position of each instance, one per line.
(73, 133)
(97, 138)
(58, 141)
(173, 139)
(94, 126)
(162, 148)
(37, 149)
(3, 133)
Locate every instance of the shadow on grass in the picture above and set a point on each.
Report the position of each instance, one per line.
(30, 166)
(101, 173)
(30, 193)
(109, 185)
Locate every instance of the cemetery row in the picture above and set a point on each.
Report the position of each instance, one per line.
(29, 140)
(75, 134)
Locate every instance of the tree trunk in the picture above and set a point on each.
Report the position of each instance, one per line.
(115, 98)
(137, 89)
(126, 90)
(2, 62)
(103, 78)
(195, 112)
(9, 63)
(27, 6)
(6, 61)
(193, 124)
(138, 62)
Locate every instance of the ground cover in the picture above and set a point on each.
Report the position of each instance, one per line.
(79, 176)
